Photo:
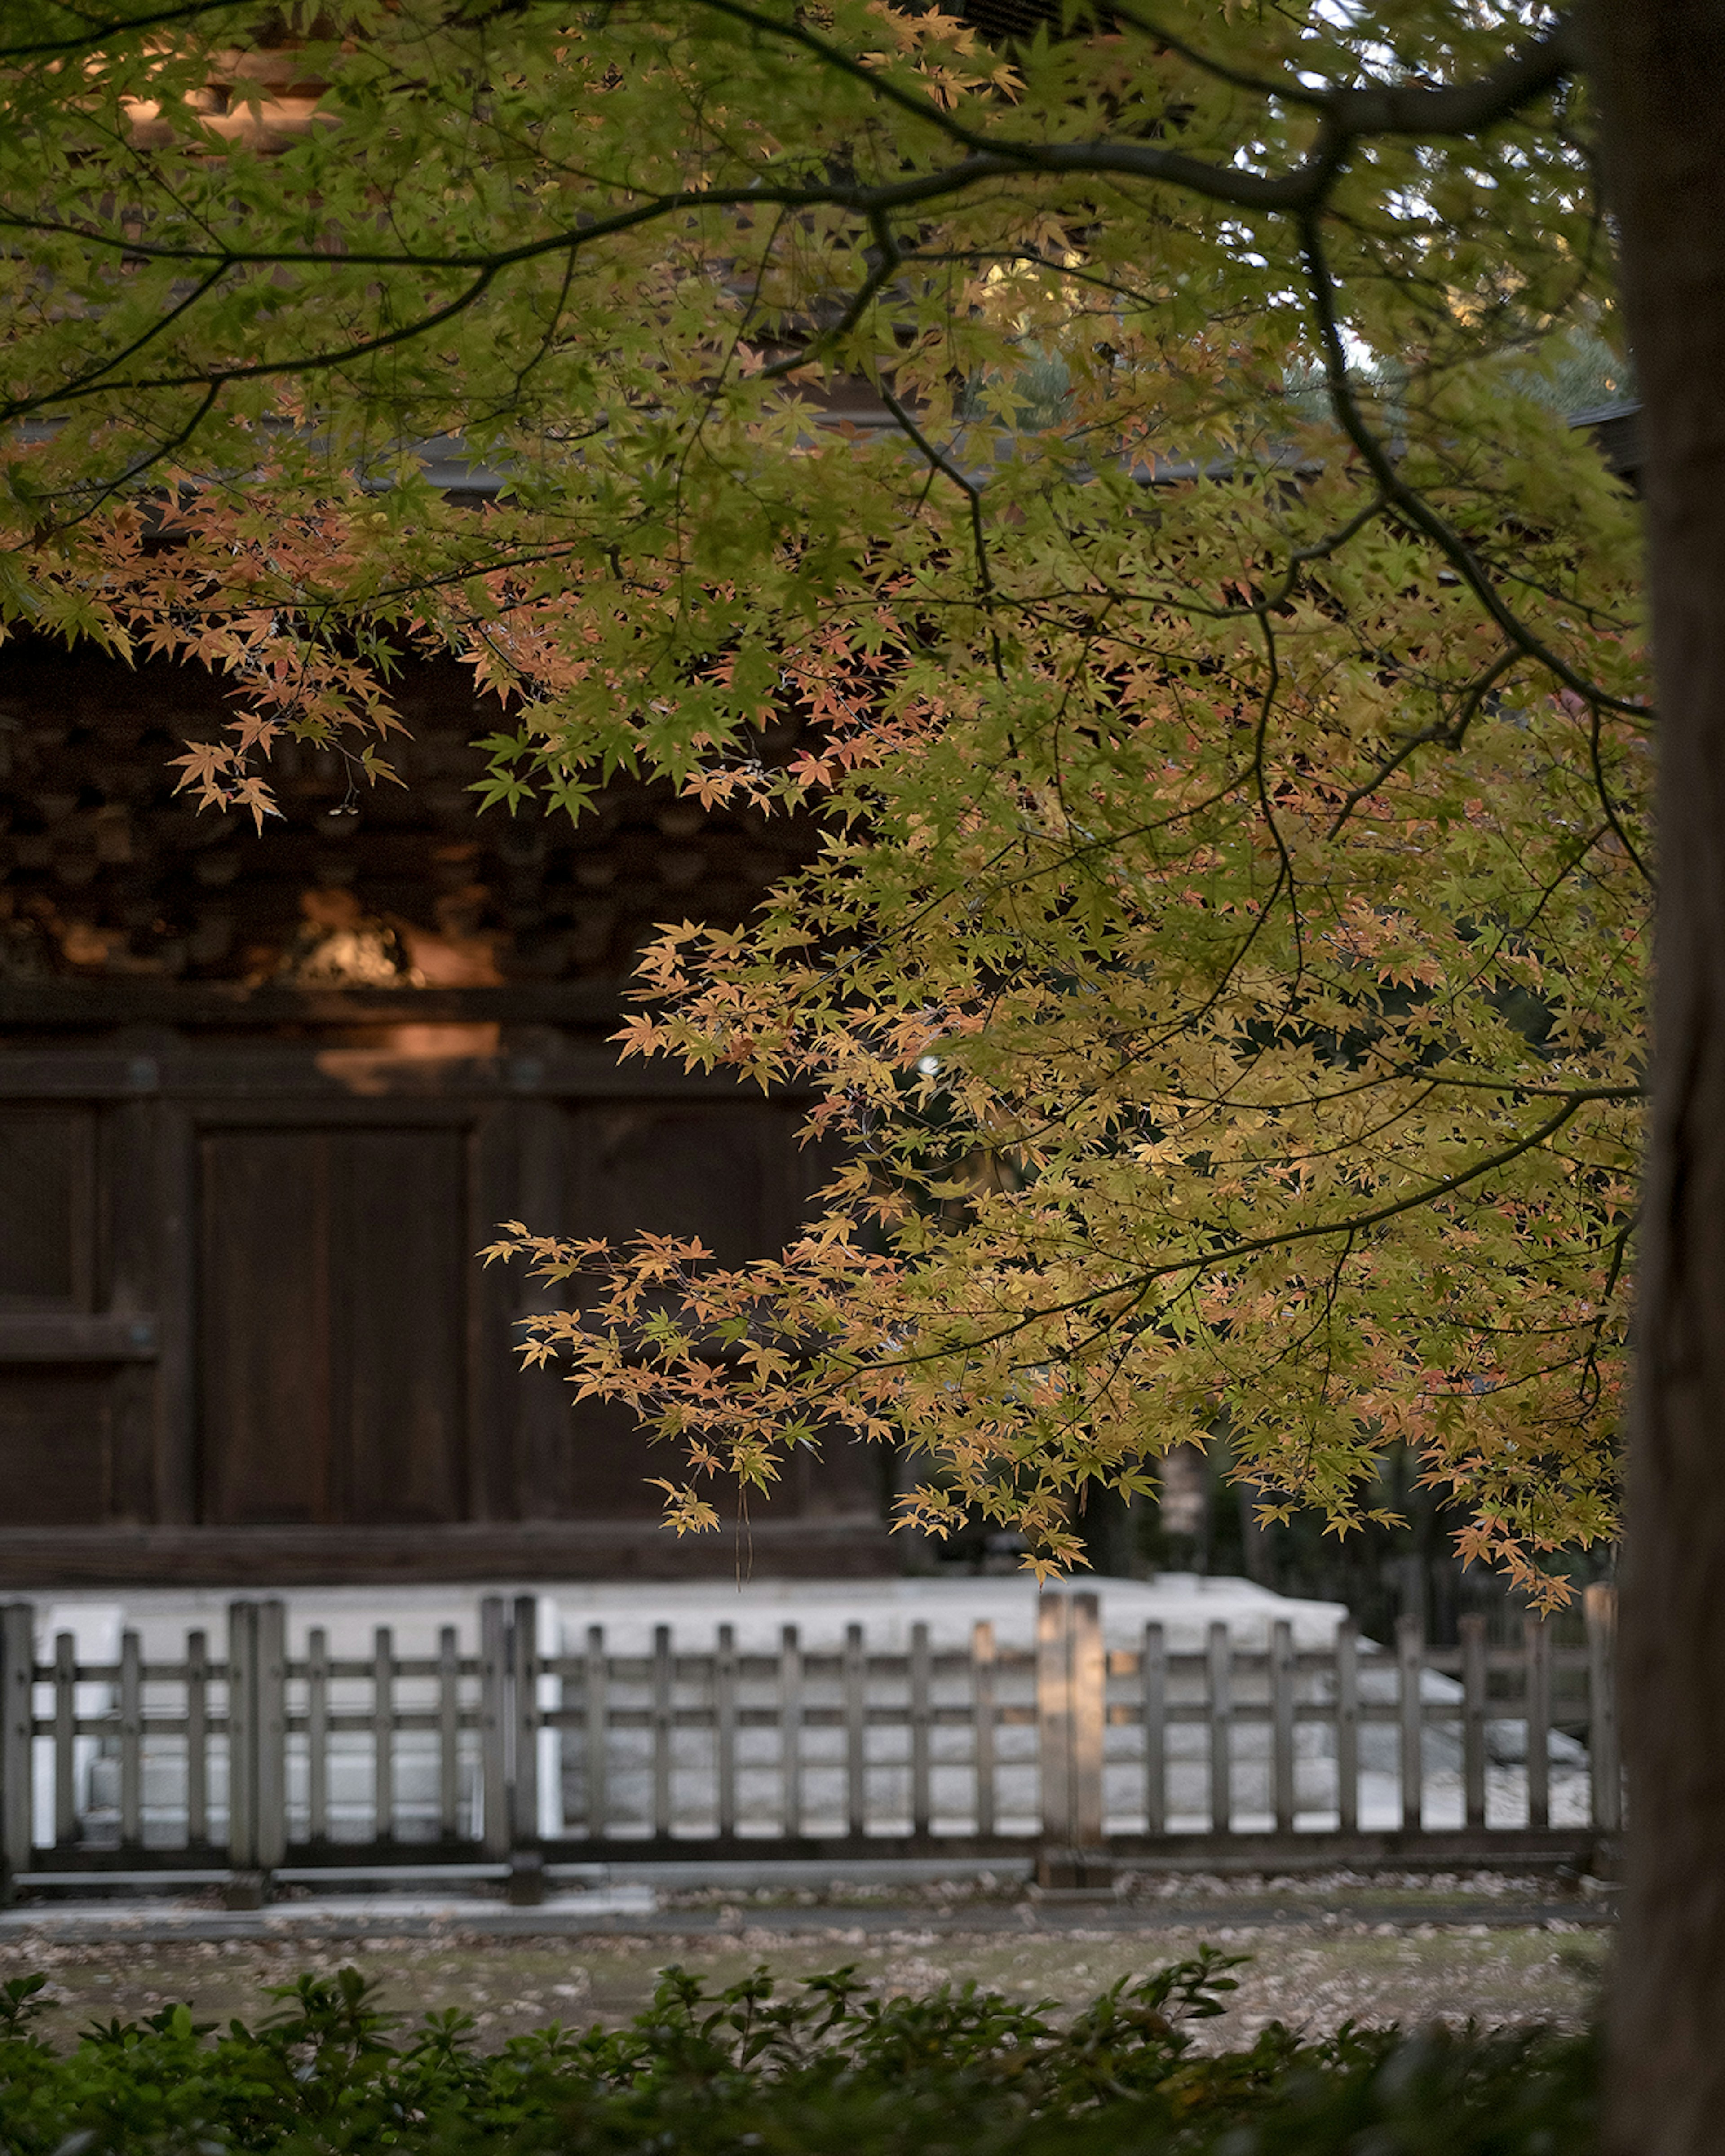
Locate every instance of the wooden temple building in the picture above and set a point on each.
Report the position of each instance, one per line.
(263, 1096)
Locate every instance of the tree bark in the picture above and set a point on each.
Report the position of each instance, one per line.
(1659, 68)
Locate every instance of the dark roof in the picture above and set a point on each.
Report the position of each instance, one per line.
(1617, 430)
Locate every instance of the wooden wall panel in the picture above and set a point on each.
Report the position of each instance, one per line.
(169, 1184)
(127, 1286)
(331, 1333)
(720, 1170)
(505, 1182)
(716, 1169)
(263, 1335)
(397, 1270)
(47, 1209)
(274, 1336)
(531, 1405)
(730, 1173)
(598, 1465)
(56, 1442)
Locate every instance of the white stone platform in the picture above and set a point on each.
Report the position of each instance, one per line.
(1185, 1605)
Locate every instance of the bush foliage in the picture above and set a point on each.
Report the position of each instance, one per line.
(824, 2068)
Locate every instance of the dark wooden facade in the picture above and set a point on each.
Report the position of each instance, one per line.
(263, 1096)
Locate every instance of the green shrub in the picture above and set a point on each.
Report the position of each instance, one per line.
(825, 2070)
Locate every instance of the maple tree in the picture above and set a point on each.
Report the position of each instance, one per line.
(1220, 678)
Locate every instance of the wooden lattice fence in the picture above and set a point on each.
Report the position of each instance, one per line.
(508, 1757)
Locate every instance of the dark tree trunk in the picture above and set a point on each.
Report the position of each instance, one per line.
(1660, 66)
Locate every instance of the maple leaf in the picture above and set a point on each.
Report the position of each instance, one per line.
(1259, 858)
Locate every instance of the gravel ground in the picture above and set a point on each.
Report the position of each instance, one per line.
(1406, 1950)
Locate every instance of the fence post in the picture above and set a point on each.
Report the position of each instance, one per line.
(922, 1715)
(448, 1735)
(493, 1731)
(197, 1739)
(1474, 1688)
(1347, 1727)
(383, 1733)
(1539, 1721)
(1071, 1679)
(1604, 1765)
(790, 1730)
(1410, 1667)
(18, 1723)
(131, 1742)
(665, 1684)
(271, 1736)
(246, 1881)
(1220, 1656)
(596, 1706)
(857, 1733)
(318, 1736)
(1090, 1711)
(982, 1714)
(724, 1730)
(1153, 1674)
(1282, 1723)
(1054, 1730)
(527, 1861)
(242, 1753)
(65, 1740)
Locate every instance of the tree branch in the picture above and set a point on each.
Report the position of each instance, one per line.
(1412, 504)
(104, 32)
(939, 461)
(1205, 1261)
(1401, 108)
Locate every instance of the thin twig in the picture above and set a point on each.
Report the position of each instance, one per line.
(939, 461)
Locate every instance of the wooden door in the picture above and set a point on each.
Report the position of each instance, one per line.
(333, 1278)
(56, 1418)
(728, 1172)
(722, 1171)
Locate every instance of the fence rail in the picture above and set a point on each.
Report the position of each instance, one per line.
(511, 1754)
